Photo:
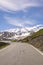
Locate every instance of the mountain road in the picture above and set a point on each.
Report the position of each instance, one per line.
(18, 53)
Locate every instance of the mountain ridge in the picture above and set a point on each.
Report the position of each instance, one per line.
(19, 33)
(36, 39)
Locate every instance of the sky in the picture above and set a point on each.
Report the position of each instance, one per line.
(20, 13)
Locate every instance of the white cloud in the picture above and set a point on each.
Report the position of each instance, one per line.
(37, 26)
(12, 21)
(15, 5)
(19, 22)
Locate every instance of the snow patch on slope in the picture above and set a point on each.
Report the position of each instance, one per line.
(20, 33)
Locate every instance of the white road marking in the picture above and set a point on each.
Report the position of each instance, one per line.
(37, 50)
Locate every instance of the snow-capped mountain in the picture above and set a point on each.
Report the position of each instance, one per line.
(19, 33)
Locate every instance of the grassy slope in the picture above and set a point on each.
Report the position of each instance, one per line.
(40, 32)
(3, 44)
(36, 39)
(13, 40)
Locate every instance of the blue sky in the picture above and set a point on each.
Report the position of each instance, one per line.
(20, 13)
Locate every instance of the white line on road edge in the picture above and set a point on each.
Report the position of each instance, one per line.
(37, 50)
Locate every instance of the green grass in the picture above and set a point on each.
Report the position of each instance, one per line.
(34, 35)
(13, 40)
(36, 39)
(3, 44)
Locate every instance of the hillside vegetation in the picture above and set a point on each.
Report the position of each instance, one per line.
(36, 39)
(3, 44)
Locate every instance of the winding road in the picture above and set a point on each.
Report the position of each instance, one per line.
(20, 54)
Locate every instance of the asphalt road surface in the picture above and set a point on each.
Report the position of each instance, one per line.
(20, 54)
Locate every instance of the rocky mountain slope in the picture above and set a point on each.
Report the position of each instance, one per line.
(19, 33)
(36, 39)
